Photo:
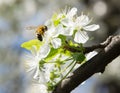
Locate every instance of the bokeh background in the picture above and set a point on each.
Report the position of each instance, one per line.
(16, 15)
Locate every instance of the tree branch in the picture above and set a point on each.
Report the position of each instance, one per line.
(99, 46)
(90, 48)
(94, 65)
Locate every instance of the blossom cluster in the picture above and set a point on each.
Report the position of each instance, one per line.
(50, 63)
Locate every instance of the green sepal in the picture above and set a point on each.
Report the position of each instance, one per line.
(41, 64)
(75, 46)
(63, 38)
(54, 75)
(79, 57)
(50, 86)
(55, 20)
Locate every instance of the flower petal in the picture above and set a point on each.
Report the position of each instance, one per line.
(44, 51)
(50, 31)
(91, 27)
(67, 22)
(72, 12)
(41, 76)
(49, 23)
(56, 42)
(81, 37)
(36, 73)
(30, 66)
(82, 20)
(67, 31)
(37, 88)
(58, 30)
(34, 50)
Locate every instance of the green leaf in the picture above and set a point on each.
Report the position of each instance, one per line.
(52, 54)
(63, 38)
(28, 45)
(79, 57)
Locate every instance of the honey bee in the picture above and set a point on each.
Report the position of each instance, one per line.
(40, 30)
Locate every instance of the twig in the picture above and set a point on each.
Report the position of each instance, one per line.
(92, 66)
(90, 48)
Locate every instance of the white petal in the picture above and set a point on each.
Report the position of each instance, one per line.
(36, 73)
(82, 20)
(59, 15)
(67, 22)
(39, 76)
(42, 76)
(37, 88)
(91, 27)
(49, 23)
(44, 51)
(58, 30)
(67, 31)
(72, 12)
(56, 42)
(50, 31)
(48, 68)
(30, 67)
(81, 37)
(34, 50)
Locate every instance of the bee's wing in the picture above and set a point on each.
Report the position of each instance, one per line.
(31, 28)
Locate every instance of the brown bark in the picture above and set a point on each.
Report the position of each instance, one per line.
(92, 66)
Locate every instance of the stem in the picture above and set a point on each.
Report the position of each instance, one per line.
(67, 73)
(68, 59)
(67, 66)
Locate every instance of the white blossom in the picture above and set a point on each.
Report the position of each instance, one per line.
(37, 88)
(69, 17)
(66, 23)
(51, 37)
(32, 63)
(81, 26)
